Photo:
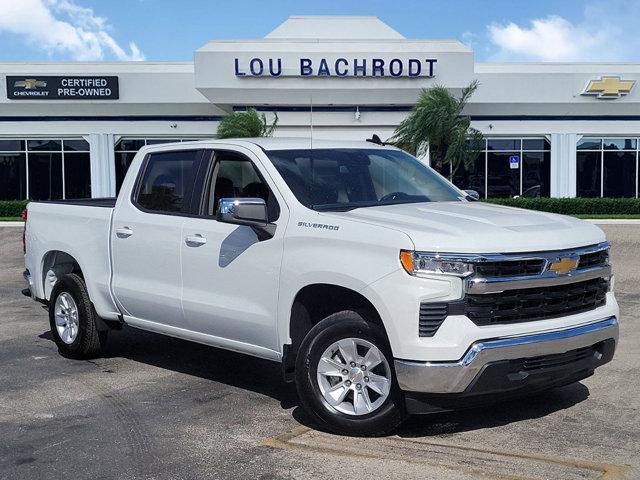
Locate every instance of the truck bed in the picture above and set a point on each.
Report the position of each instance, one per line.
(79, 228)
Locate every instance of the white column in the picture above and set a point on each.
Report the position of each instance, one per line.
(563, 164)
(103, 170)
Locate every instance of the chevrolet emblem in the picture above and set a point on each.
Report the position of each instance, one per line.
(564, 265)
(609, 87)
(30, 83)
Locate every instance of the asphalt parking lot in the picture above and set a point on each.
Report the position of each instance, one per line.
(161, 408)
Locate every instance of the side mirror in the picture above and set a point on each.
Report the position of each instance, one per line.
(472, 195)
(251, 212)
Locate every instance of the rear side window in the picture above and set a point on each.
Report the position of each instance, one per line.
(168, 181)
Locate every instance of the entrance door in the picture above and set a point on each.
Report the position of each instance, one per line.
(230, 277)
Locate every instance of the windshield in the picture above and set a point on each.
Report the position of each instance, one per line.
(344, 179)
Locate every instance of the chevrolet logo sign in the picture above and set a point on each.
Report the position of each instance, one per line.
(30, 84)
(564, 265)
(609, 87)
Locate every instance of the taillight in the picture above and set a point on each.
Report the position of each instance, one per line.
(25, 213)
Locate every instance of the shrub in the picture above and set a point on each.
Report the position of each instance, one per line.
(575, 206)
(12, 208)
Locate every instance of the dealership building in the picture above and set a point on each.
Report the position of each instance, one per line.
(70, 130)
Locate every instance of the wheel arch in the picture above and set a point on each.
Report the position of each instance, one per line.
(56, 263)
(314, 302)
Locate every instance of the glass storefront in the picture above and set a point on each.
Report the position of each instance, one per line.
(127, 148)
(507, 167)
(607, 167)
(44, 169)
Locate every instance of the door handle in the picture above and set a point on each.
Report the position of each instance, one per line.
(195, 240)
(124, 232)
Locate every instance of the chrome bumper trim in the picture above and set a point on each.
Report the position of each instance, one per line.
(455, 377)
(549, 279)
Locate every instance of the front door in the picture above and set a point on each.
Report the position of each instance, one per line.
(230, 278)
(147, 234)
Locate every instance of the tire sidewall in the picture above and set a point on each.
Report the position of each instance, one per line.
(347, 324)
(77, 290)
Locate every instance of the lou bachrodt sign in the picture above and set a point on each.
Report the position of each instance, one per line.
(62, 88)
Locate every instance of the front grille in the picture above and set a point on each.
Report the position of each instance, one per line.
(595, 259)
(431, 317)
(558, 359)
(509, 268)
(497, 268)
(529, 304)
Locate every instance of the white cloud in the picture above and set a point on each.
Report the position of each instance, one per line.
(63, 27)
(602, 34)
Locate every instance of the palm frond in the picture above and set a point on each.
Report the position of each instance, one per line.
(246, 124)
(437, 122)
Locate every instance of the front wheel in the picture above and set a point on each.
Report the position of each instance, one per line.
(345, 378)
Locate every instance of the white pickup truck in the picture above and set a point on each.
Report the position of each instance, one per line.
(381, 288)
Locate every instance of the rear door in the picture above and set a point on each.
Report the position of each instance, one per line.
(230, 277)
(147, 236)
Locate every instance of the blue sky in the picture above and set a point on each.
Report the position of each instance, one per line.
(499, 30)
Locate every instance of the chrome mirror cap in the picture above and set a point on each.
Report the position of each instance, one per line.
(472, 195)
(250, 212)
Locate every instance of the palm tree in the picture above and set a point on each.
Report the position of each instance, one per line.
(246, 124)
(436, 123)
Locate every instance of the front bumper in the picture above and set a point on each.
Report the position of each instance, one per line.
(460, 376)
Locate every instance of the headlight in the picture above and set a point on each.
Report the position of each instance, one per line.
(423, 263)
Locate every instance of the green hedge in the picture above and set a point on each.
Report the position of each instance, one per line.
(12, 208)
(575, 206)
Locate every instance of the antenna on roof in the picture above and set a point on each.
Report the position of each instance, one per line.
(311, 118)
(375, 139)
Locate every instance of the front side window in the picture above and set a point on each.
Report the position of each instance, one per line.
(235, 176)
(168, 181)
(343, 179)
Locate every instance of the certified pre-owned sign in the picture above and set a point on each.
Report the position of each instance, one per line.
(62, 88)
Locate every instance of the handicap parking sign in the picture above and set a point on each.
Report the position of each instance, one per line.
(514, 162)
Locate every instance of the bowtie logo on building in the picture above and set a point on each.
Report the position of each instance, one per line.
(609, 87)
(30, 84)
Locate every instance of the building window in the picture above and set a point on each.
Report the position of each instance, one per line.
(13, 176)
(44, 169)
(127, 148)
(607, 167)
(507, 167)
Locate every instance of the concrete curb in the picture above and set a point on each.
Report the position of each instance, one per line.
(604, 221)
(11, 224)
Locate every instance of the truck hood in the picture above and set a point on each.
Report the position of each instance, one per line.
(476, 227)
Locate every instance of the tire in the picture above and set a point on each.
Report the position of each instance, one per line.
(84, 341)
(387, 411)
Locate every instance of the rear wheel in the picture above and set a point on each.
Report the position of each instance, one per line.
(345, 377)
(73, 320)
